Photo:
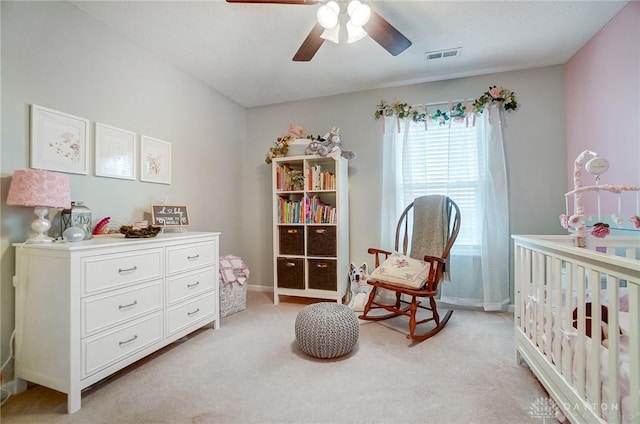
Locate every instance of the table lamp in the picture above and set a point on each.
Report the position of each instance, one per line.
(42, 190)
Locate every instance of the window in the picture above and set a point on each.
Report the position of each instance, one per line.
(445, 159)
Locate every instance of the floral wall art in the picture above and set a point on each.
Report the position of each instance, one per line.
(155, 161)
(59, 141)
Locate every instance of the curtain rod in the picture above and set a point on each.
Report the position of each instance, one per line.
(445, 102)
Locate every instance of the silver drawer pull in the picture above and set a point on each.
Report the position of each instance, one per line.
(321, 265)
(290, 264)
(194, 312)
(135, 302)
(120, 270)
(321, 231)
(192, 257)
(128, 341)
(190, 286)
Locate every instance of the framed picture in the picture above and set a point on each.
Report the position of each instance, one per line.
(59, 141)
(115, 152)
(155, 160)
(169, 215)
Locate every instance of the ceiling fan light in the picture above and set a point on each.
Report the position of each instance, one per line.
(352, 6)
(333, 5)
(327, 17)
(355, 33)
(361, 15)
(332, 34)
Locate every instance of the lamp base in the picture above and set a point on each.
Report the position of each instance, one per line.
(40, 238)
(41, 225)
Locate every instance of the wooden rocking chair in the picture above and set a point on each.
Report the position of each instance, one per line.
(429, 289)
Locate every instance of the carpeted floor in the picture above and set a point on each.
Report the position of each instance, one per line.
(251, 371)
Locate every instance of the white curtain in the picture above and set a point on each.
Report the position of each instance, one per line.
(392, 184)
(479, 278)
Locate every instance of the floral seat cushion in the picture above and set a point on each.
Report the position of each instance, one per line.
(403, 271)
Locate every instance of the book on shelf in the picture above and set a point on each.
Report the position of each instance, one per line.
(290, 211)
(318, 178)
(285, 178)
(317, 212)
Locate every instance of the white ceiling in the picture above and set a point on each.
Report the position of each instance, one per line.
(244, 51)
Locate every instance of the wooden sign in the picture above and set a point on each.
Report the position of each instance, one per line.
(169, 215)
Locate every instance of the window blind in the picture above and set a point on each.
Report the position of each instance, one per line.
(445, 159)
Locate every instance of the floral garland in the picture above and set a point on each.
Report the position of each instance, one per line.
(498, 96)
(281, 145)
(280, 148)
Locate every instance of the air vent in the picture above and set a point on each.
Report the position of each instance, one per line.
(441, 54)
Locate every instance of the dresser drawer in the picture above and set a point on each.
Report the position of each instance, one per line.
(100, 273)
(190, 312)
(103, 311)
(107, 348)
(191, 284)
(190, 256)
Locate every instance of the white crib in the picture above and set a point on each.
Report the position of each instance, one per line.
(555, 280)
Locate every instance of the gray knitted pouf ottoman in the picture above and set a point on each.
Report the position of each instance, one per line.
(327, 330)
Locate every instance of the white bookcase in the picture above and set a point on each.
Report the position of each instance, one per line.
(310, 228)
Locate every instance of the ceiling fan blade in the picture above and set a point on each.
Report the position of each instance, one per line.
(386, 34)
(304, 2)
(310, 45)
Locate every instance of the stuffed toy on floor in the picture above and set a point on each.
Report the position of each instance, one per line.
(360, 290)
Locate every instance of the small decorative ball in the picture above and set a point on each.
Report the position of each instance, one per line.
(73, 234)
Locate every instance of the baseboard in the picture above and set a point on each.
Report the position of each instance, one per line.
(255, 287)
(8, 387)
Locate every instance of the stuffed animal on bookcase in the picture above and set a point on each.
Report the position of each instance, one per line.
(330, 145)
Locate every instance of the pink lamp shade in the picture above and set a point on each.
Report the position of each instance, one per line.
(37, 187)
(41, 190)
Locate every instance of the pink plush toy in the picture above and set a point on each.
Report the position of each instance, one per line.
(296, 131)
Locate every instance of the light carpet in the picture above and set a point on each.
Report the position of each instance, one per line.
(252, 371)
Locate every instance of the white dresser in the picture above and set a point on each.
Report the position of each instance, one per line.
(88, 309)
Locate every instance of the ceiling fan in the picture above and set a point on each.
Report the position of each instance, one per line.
(376, 27)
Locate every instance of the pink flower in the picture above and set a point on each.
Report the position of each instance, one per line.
(495, 92)
(576, 221)
(636, 220)
(600, 230)
(564, 221)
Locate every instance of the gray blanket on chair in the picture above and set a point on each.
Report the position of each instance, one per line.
(430, 227)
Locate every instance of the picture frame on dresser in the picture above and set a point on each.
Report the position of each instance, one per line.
(170, 216)
(155, 160)
(115, 152)
(58, 141)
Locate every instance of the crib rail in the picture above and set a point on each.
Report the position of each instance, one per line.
(555, 281)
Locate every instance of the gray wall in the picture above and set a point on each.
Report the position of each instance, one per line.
(55, 56)
(535, 152)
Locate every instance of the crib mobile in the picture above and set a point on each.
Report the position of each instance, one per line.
(576, 223)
